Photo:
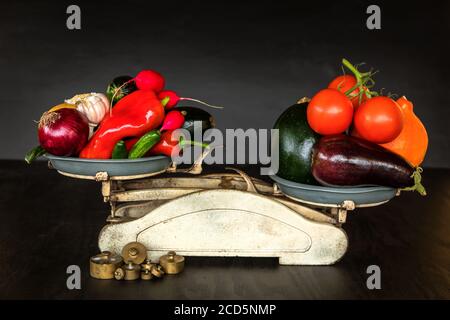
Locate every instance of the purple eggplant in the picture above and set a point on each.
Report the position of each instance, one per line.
(341, 160)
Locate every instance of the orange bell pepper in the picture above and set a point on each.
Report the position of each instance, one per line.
(412, 142)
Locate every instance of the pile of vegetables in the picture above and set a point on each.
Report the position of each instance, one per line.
(346, 135)
(135, 118)
(349, 135)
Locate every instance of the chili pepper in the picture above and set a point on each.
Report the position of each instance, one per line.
(156, 150)
(166, 145)
(129, 143)
(120, 151)
(144, 144)
(169, 146)
(134, 115)
(173, 120)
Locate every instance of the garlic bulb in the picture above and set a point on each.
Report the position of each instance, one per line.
(93, 105)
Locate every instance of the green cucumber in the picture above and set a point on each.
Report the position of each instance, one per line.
(296, 142)
(34, 153)
(120, 151)
(144, 144)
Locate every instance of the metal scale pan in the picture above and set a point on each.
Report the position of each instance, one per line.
(362, 196)
(117, 169)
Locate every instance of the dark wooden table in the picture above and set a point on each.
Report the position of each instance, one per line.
(49, 222)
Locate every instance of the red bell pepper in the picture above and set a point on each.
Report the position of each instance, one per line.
(133, 116)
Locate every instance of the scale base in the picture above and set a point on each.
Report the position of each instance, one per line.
(229, 223)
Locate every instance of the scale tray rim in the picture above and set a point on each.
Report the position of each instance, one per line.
(115, 168)
(362, 196)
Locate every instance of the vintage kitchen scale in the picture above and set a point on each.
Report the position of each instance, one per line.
(221, 214)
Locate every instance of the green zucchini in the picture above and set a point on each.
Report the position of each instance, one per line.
(120, 151)
(296, 142)
(34, 153)
(144, 144)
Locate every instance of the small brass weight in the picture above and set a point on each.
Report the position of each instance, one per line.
(130, 271)
(134, 252)
(146, 270)
(133, 264)
(172, 263)
(103, 265)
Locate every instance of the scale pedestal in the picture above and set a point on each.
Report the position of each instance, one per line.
(220, 215)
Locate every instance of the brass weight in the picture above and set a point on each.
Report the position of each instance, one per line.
(157, 271)
(129, 271)
(147, 265)
(108, 266)
(134, 252)
(119, 274)
(146, 275)
(172, 263)
(103, 265)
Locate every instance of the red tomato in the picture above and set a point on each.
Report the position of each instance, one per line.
(343, 84)
(379, 120)
(329, 112)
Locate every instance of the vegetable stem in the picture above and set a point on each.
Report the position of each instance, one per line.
(352, 68)
(363, 81)
(115, 92)
(184, 143)
(417, 183)
(349, 91)
(201, 102)
(34, 153)
(165, 101)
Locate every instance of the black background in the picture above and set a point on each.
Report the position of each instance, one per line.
(256, 58)
(253, 57)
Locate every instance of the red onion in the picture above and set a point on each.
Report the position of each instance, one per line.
(63, 132)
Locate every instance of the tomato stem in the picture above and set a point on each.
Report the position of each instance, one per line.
(364, 81)
(349, 91)
(352, 68)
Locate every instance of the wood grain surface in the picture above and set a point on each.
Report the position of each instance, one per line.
(49, 222)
